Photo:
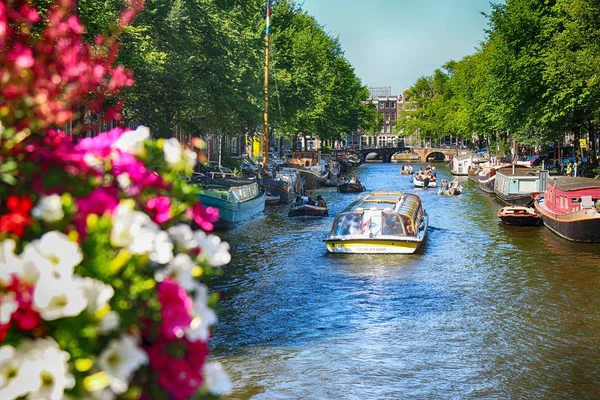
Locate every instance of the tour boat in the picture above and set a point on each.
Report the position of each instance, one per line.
(379, 222)
(308, 210)
(569, 207)
(424, 181)
(516, 185)
(237, 199)
(519, 215)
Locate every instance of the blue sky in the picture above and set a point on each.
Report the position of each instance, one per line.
(395, 42)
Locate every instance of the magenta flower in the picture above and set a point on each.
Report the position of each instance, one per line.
(99, 201)
(204, 217)
(176, 307)
(101, 145)
(159, 208)
(139, 175)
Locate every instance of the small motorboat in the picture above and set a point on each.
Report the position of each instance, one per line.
(350, 187)
(424, 181)
(406, 170)
(272, 199)
(519, 215)
(308, 210)
(450, 189)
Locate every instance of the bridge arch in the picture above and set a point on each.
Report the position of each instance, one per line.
(435, 156)
(373, 156)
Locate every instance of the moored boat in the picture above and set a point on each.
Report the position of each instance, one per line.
(237, 199)
(569, 208)
(516, 185)
(271, 199)
(486, 177)
(286, 184)
(519, 215)
(379, 222)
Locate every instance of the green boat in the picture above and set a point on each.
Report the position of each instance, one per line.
(237, 199)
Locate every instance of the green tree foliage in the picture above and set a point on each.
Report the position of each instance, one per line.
(535, 78)
(199, 65)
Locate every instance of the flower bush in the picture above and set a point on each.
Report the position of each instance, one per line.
(100, 271)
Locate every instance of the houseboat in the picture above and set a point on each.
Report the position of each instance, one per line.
(286, 185)
(516, 185)
(569, 207)
(379, 222)
(236, 198)
(310, 166)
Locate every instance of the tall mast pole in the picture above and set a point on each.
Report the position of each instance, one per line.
(266, 87)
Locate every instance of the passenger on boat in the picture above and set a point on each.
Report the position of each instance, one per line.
(432, 173)
(343, 181)
(321, 202)
(391, 225)
(297, 201)
(408, 225)
(310, 202)
(352, 225)
(454, 183)
(445, 185)
(305, 199)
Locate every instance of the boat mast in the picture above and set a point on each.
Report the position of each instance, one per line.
(266, 86)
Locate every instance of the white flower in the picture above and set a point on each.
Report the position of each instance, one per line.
(38, 368)
(9, 262)
(53, 254)
(15, 373)
(133, 141)
(182, 235)
(173, 151)
(216, 379)
(109, 322)
(49, 209)
(57, 298)
(120, 360)
(124, 181)
(8, 305)
(203, 317)
(180, 269)
(132, 229)
(162, 248)
(191, 158)
(212, 249)
(94, 162)
(52, 372)
(97, 293)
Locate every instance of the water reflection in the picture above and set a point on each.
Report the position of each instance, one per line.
(483, 310)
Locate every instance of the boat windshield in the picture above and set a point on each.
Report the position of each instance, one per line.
(373, 224)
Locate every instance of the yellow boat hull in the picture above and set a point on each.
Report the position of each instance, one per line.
(362, 246)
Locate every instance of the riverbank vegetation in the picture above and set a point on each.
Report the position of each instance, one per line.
(533, 80)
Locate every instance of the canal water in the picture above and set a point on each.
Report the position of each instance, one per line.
(482, 311)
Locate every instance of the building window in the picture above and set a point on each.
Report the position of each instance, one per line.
(393, 116)
(387, 104)
(387, 117)
(381, 105)
(393, 104)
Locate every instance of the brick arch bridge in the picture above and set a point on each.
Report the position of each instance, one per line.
(386, 153)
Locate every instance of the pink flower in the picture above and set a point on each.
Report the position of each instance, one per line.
(180, 379)
(22, 56)
(203, 217)
(140, 176)
(176, 308)
(159, 208)
(102, 145)
(99, 201)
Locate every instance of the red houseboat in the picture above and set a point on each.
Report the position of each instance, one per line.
(569, 207)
